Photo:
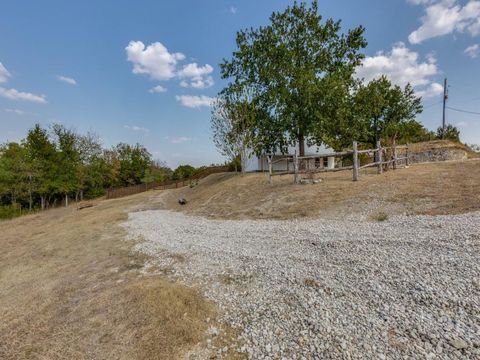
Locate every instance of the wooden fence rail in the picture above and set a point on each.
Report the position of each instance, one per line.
(383, 158)
(168, 184)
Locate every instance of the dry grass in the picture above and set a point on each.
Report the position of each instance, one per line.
(70, 289)
(442, 144)
(434, 188)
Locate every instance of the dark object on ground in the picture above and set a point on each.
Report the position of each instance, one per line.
(182, 201)
(84, 206)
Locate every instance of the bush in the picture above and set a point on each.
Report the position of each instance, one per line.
(9, 212)
(450, 133)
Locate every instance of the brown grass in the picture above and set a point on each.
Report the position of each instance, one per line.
(434, 188)
(70, 288)
(443, 144)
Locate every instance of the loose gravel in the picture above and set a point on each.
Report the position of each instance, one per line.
(407, 287)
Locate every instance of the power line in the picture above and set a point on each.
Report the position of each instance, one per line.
(463, 111)
(430, 105)
(475, 98)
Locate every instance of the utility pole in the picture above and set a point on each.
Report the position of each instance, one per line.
(445, 97)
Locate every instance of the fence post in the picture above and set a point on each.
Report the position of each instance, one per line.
(379, 158)
(270, 170)
(295, 168)
(355, 161)
(394, 145)
(407, 161)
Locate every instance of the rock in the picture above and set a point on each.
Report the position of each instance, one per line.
(458, 343)
(381, 287)
(182, 201)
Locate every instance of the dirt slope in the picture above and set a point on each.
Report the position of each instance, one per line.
(434, 188)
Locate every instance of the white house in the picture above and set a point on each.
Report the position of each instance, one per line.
(321, 159)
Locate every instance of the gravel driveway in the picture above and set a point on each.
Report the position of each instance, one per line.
(408, 287)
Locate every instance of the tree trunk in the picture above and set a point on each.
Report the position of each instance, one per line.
(243, 160)
(66, 200)
(301, 144)
(42, 202)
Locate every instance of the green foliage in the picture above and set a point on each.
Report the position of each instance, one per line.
(298, 69)
(9, 212)
(134, 162)
(386, 111)
(157, 172)
(184, 172)
(48, 167)
(450, 133)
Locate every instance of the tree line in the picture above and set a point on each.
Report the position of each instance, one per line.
(293, 83)
(57, 165)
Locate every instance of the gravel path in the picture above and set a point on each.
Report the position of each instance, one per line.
(408, 287)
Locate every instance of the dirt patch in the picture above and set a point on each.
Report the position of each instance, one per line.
(70, 288)
(432, 188)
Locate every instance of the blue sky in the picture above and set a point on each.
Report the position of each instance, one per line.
(146, 71)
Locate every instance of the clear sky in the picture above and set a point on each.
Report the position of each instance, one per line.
(146, 71)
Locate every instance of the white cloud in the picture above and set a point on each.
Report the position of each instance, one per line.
(434, 89)
(462, 124)
(444, 17)
(157, 89)
(194, 71)
(154, 60)
(193, 101)
(4, 74)
(420, 2)
(177, 139)
(157, 62)
(473, 51)
(198, 83)
(13, 94)
(67, 80)
(198, 76)
(137, 128)
(232, 10)
(402, 66)
(15, 111)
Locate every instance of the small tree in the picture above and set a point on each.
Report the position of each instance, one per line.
(450, 133)
(233, 115)
(183, 172)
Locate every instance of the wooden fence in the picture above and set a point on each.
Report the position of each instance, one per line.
(168, 184)
(381, 157)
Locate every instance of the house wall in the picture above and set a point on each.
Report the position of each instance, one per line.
(255, 163)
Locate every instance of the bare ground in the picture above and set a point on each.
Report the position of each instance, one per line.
(432, 189)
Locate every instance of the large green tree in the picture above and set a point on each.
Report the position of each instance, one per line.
(294, 66)
(134, 161)
(385, 111)
(41, 156)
